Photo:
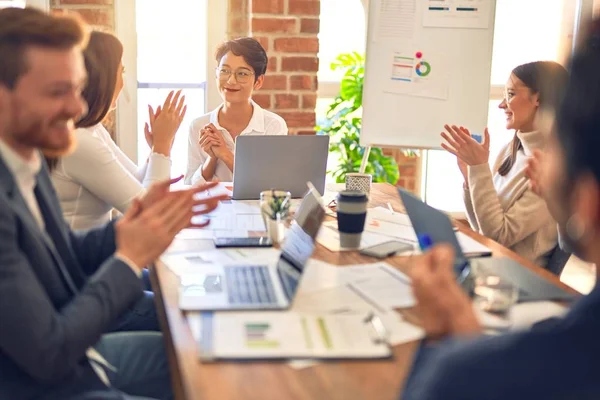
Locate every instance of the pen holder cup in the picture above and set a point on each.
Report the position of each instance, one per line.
(359, 182)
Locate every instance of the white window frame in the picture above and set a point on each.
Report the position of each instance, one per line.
(125, 29)
(330, 89)
(43, 5)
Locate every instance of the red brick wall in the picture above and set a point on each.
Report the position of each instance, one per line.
(100, 14)
(288, 30)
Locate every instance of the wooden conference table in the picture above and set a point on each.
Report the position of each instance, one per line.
(346, 380)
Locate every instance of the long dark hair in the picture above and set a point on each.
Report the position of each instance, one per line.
(544, 78)
(102, 57)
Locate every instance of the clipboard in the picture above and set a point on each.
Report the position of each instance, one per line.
(291, 335)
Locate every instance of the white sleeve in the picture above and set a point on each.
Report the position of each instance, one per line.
(471, 217)
(96, 167)
(197, 178)
(156, 169)
(276, 126)
(196, 158)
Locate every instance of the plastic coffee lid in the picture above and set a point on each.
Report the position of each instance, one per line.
(352, 196)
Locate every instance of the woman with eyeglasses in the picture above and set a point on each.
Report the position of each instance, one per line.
(498, 200)
(241, 71)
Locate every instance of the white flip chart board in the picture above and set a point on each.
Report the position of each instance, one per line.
(428, 63)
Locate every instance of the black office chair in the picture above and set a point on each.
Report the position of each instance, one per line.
(557, 261)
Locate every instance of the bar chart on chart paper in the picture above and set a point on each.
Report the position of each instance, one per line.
(257, 336)
(402, 67)
(289, 335)
(418, 72)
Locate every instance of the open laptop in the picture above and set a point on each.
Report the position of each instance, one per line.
(251, 286)
(426, 220)
(279, 162)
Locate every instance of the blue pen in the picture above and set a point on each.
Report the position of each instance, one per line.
(477, 138)
(425, 242)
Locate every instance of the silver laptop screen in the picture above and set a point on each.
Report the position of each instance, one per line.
(300, 242)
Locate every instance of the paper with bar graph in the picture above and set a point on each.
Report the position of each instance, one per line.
(473, 14)
(283, 335)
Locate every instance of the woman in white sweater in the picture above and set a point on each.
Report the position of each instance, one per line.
(97, 176)
(241, 71)
(499, 202)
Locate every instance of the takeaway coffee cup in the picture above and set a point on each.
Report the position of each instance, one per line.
(351, 215)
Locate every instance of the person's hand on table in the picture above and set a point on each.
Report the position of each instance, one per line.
(443, 306)
(460, 143)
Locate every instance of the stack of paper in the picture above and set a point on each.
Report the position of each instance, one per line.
(252, 335)
(327, 289)
(377, 286)
(329, 237)
(231, 219)
(364, 288)
(195, 260)
(382, 225)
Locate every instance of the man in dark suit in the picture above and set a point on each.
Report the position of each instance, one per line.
(60, 290)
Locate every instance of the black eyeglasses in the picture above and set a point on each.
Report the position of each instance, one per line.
(241, 75)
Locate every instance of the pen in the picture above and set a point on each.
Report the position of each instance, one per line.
(481, 254)
(390, 208)
(425, 241)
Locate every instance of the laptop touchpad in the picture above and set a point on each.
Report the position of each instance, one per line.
(212, 284)
(207, 284)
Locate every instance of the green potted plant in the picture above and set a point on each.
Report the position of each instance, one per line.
(344, 122)
(275, 209)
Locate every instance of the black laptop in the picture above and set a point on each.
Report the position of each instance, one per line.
(427, 221)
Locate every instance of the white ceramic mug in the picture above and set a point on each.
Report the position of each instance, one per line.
(359, 182)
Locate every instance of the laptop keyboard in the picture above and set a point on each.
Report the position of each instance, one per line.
(249, 285)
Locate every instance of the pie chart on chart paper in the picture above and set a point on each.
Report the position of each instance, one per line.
(423, 68)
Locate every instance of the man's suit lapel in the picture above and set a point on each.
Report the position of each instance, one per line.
(17, 203)
(55, 224)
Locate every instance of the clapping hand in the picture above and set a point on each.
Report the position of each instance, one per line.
(151, 118)
(210, 140)
(151, 223)
(200, 206)
(460, 143)
(164, 122)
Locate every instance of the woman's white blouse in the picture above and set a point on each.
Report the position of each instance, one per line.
(98, 177)
(263, 122)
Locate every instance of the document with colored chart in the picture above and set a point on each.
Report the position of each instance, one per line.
(283, 335)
